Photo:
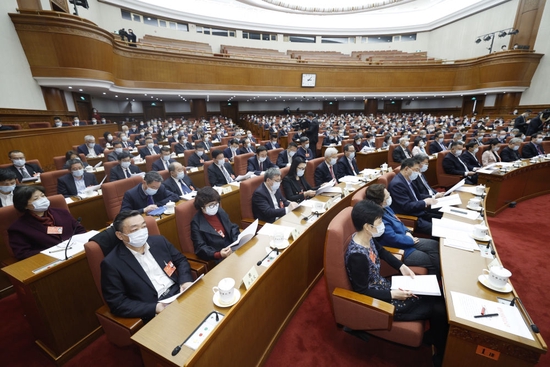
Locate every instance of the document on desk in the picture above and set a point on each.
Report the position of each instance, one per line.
(464, 213)
(447, 201)
(245, 236)
(448, 228)
(458, 185)
(245, 176)
(466, 243)
(508, 318)
(468, 189)
(175, 296)
(420, 285)
(76, 246)
(326, 186)
(269, 230)
(189, 196)
(351, 179)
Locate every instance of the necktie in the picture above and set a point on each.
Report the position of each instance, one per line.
(430, 191)
(412, 190)
(261, 166)
(538, 149)
(184, 187)
(24, 172)
(352, 169)
(331, 172)
(126, 173)
(165, 164)
(406, 153)
(226, 174)
(150, 200)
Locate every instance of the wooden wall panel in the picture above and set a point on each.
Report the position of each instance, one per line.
(528, 18)
(54, 98)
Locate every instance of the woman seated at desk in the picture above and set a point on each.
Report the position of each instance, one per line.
(295, 186)
(387, 142)
(211, 230)
(362, 259)
(40, 227)
(490, 155)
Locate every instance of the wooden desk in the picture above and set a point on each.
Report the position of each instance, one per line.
(251, 327)
(460, 270)
(91, 210)
(530, 180)
(339, 148)
(371, 160)
(59, 303)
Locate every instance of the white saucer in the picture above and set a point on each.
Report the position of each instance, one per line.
(472, 208)
(281, 247)
(483, 280)
(481, 239)
(236, 297)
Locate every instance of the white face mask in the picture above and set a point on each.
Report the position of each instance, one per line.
(109, 137)
(150, 145)
(351, 155)
(125, 164)
(180, 175)
(332, 161)
(516, 147)
(262, 159)
(306, 146)
(200, 153)
(291, 153)
(388, 201)
(9, 188)
(138, 238)
(413, 176)
(221, 162)
(166, 157)
(424, 168)
(379, 230)
(300, 172)
(476, 150)
(457, 153)
(496, 149)
(78, 173)
(233, 149)
(275, 186)
(539, 140)
(150, 191)
(212, 211)
(19, 162)
(124, 138)
(91, 145)
(76, 121)
(118, 150)
(41, 205)
(58, 124)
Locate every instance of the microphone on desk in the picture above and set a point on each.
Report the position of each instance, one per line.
(71, 238)
(269, 253)
(532, 324)
(491, 247)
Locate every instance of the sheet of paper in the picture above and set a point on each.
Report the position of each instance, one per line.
(269, 230)
(324, 187)
(488, 171)
(465, 243)
(245, 235)
(509, 318)
(245, 176)
(447, 201)
(449, 228)
(468, 189)
(420, 284)
(464, 213)
(174, 297)
(351, 179)
(459, 184)
(189, 196)
(235, 183)
(76, 246)
(68, 200)
(307, 203)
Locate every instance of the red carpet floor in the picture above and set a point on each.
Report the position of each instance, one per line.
(311, 338)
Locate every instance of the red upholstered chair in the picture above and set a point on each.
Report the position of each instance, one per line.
(240, 163)
(149, 161)
(225, 140)
(445, 180)
(49, 180)
(59, 161)
(165, 174)
(354, 310)
(391, 162)
(311, 166)
(14, 126)
(113, 192)
(188, 153)
(247, 189)
(108, 167)
(39, 125)
(273, 154)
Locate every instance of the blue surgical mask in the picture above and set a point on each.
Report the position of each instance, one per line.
(413, 176)
(150, 191)
(379, 230)
(9, 188)
(78, 173)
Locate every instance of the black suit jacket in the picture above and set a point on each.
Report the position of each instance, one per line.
(195, 160)
(242, 150)
(313, 132)
(398, 154)
(282, 159)
(453, 165)
(420, 186)
(294, 189)
(435, 147)
(530, 150)
(322, 173)
(205, 238)
(307, 155)
(31, 169)
(174, 187)
(128, 144)
(178, 148)
(254, 166)
(85, 150)
(144, 152)
(520, 123)
(227, 153)
(112, 157)
(403, 200)
(269, 145)
(67, 187)
(159, 166)
(136, 199)
(509, 155)
(344, 169)
(117, 173)
(470, 160)
(262, 205)
(126, 287)
(215, 174)
(534, 126)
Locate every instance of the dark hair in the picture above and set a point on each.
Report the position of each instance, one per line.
(106, 133)
(70, 163)
(303, 139)
(216, 153)
(13, 151)
(296, 161)
(165, 149)
(387, 137)
(149, 138)
(493, 142)
(417, 141)
(471, 144)
(376, 193)
(233, 141)
(204, 196)
(118, 142)
(200, 145)
(421, 157)
(57, 118)
(122, 216)
(292, 145)
(152, 176)
(365, 211)
(7, 174)
(69, 154)
(347, 146)
(408, 162)
(22, 194)
(437, 134)
(456, 143)
(260, 149)
(123, 155)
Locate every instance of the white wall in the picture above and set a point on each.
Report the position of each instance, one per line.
(18, 89)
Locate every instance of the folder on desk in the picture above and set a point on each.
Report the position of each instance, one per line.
(245, 236)
(426, 285)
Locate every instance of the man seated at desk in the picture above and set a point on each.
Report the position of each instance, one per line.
(149, 149)
(178, 183)
(346, 165)
(534, 147)
(273, 143)
(220, 173)
(90, 148)
(117, 149)
(76, 181)
(268, 203)
(437, 144)
(182, 145)
(247, 147)
(469, 156)
(402, 152)
(141, 270)
(20, 167)
(303, 150)
(260, 163)
(333, 138)
(232, 151)
(8, 180)
(510, 153)
(125, 168)
(198, 158)
(126, 143)
(407, 200)
(284, 159)
(148, 195)
(453, 164)
(164, 161)
(327, 170)
(421, 183)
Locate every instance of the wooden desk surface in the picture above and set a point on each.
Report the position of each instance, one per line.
(371, 160)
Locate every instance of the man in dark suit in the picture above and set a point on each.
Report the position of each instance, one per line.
(469, 156)
(182, 145)
(247, 147)
(124, 169)
(437, 145)
(126, 142)
(149, 149)
(126, 272)
(220, 172)
(21, 168)
(164, 161)
(232, 150)
(267, 194)
(534, 147)
(510, 153)
(260, 163)
(8, 181)
(178, 183)
(251, 137)
(421, 183)
(76, 181)
(284, 158)
(333, 138)
(537, 124)
(346, 165)
(199, 157)
(521, 122)
(453, 165)
(273, 143)
(117, 149)
(370, 141)
(406, 200)
(148, 195)
(90, 148)
(303, 150)
(208, 145)
(402, 152)
(312, 133)
(327, 170)
(198, 135)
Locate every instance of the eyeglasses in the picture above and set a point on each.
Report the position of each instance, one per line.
(211, 206)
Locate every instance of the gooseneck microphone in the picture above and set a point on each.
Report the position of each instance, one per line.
(71, 238)
(534, 327)
(266, 256)
(178, 347)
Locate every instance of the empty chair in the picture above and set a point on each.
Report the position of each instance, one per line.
(113, 193)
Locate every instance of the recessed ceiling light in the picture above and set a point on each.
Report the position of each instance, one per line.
(104, 93)
(81, 90)
(70, 87)
(116, 96)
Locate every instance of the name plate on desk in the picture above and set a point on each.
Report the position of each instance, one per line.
(100, 169)
(193, 169)
(250, 277)
(226, 190)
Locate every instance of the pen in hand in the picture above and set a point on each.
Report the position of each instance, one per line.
(411, 294)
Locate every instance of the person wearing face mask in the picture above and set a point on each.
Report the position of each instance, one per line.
(183, 145)
(537, 124)
(534, 147)
(469, 156)
(246, 147)
(362, 259)
(273, 143)
(259, 163)
(295, 185)
(511, 152)
(126, 142)
(140, 270)
(198, 158)
(407, 199)
(77, 122)
(387, 141)
(71, 154)
(402, 152)
(232, 150)
(370, 142)
(422, 252)
(220, 173)
(268, 203)
(491, 155)
(521, 123)
(41, 226)
(178, 183)
(421, 183)
(90, 148)
(164, 161)
(76, 181)
(148, 195)
(346, 165)
(418, 146)
(149, 149)
(327, 170)
(211, 229)
(438, 145)
(358, 142)
(454, 165)
(285, 158)
(57, 122)
(117, 150)
(304, 150)
(108, 137)
(21, 168)
(8, 181)
(125, 168)
(251, 137)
